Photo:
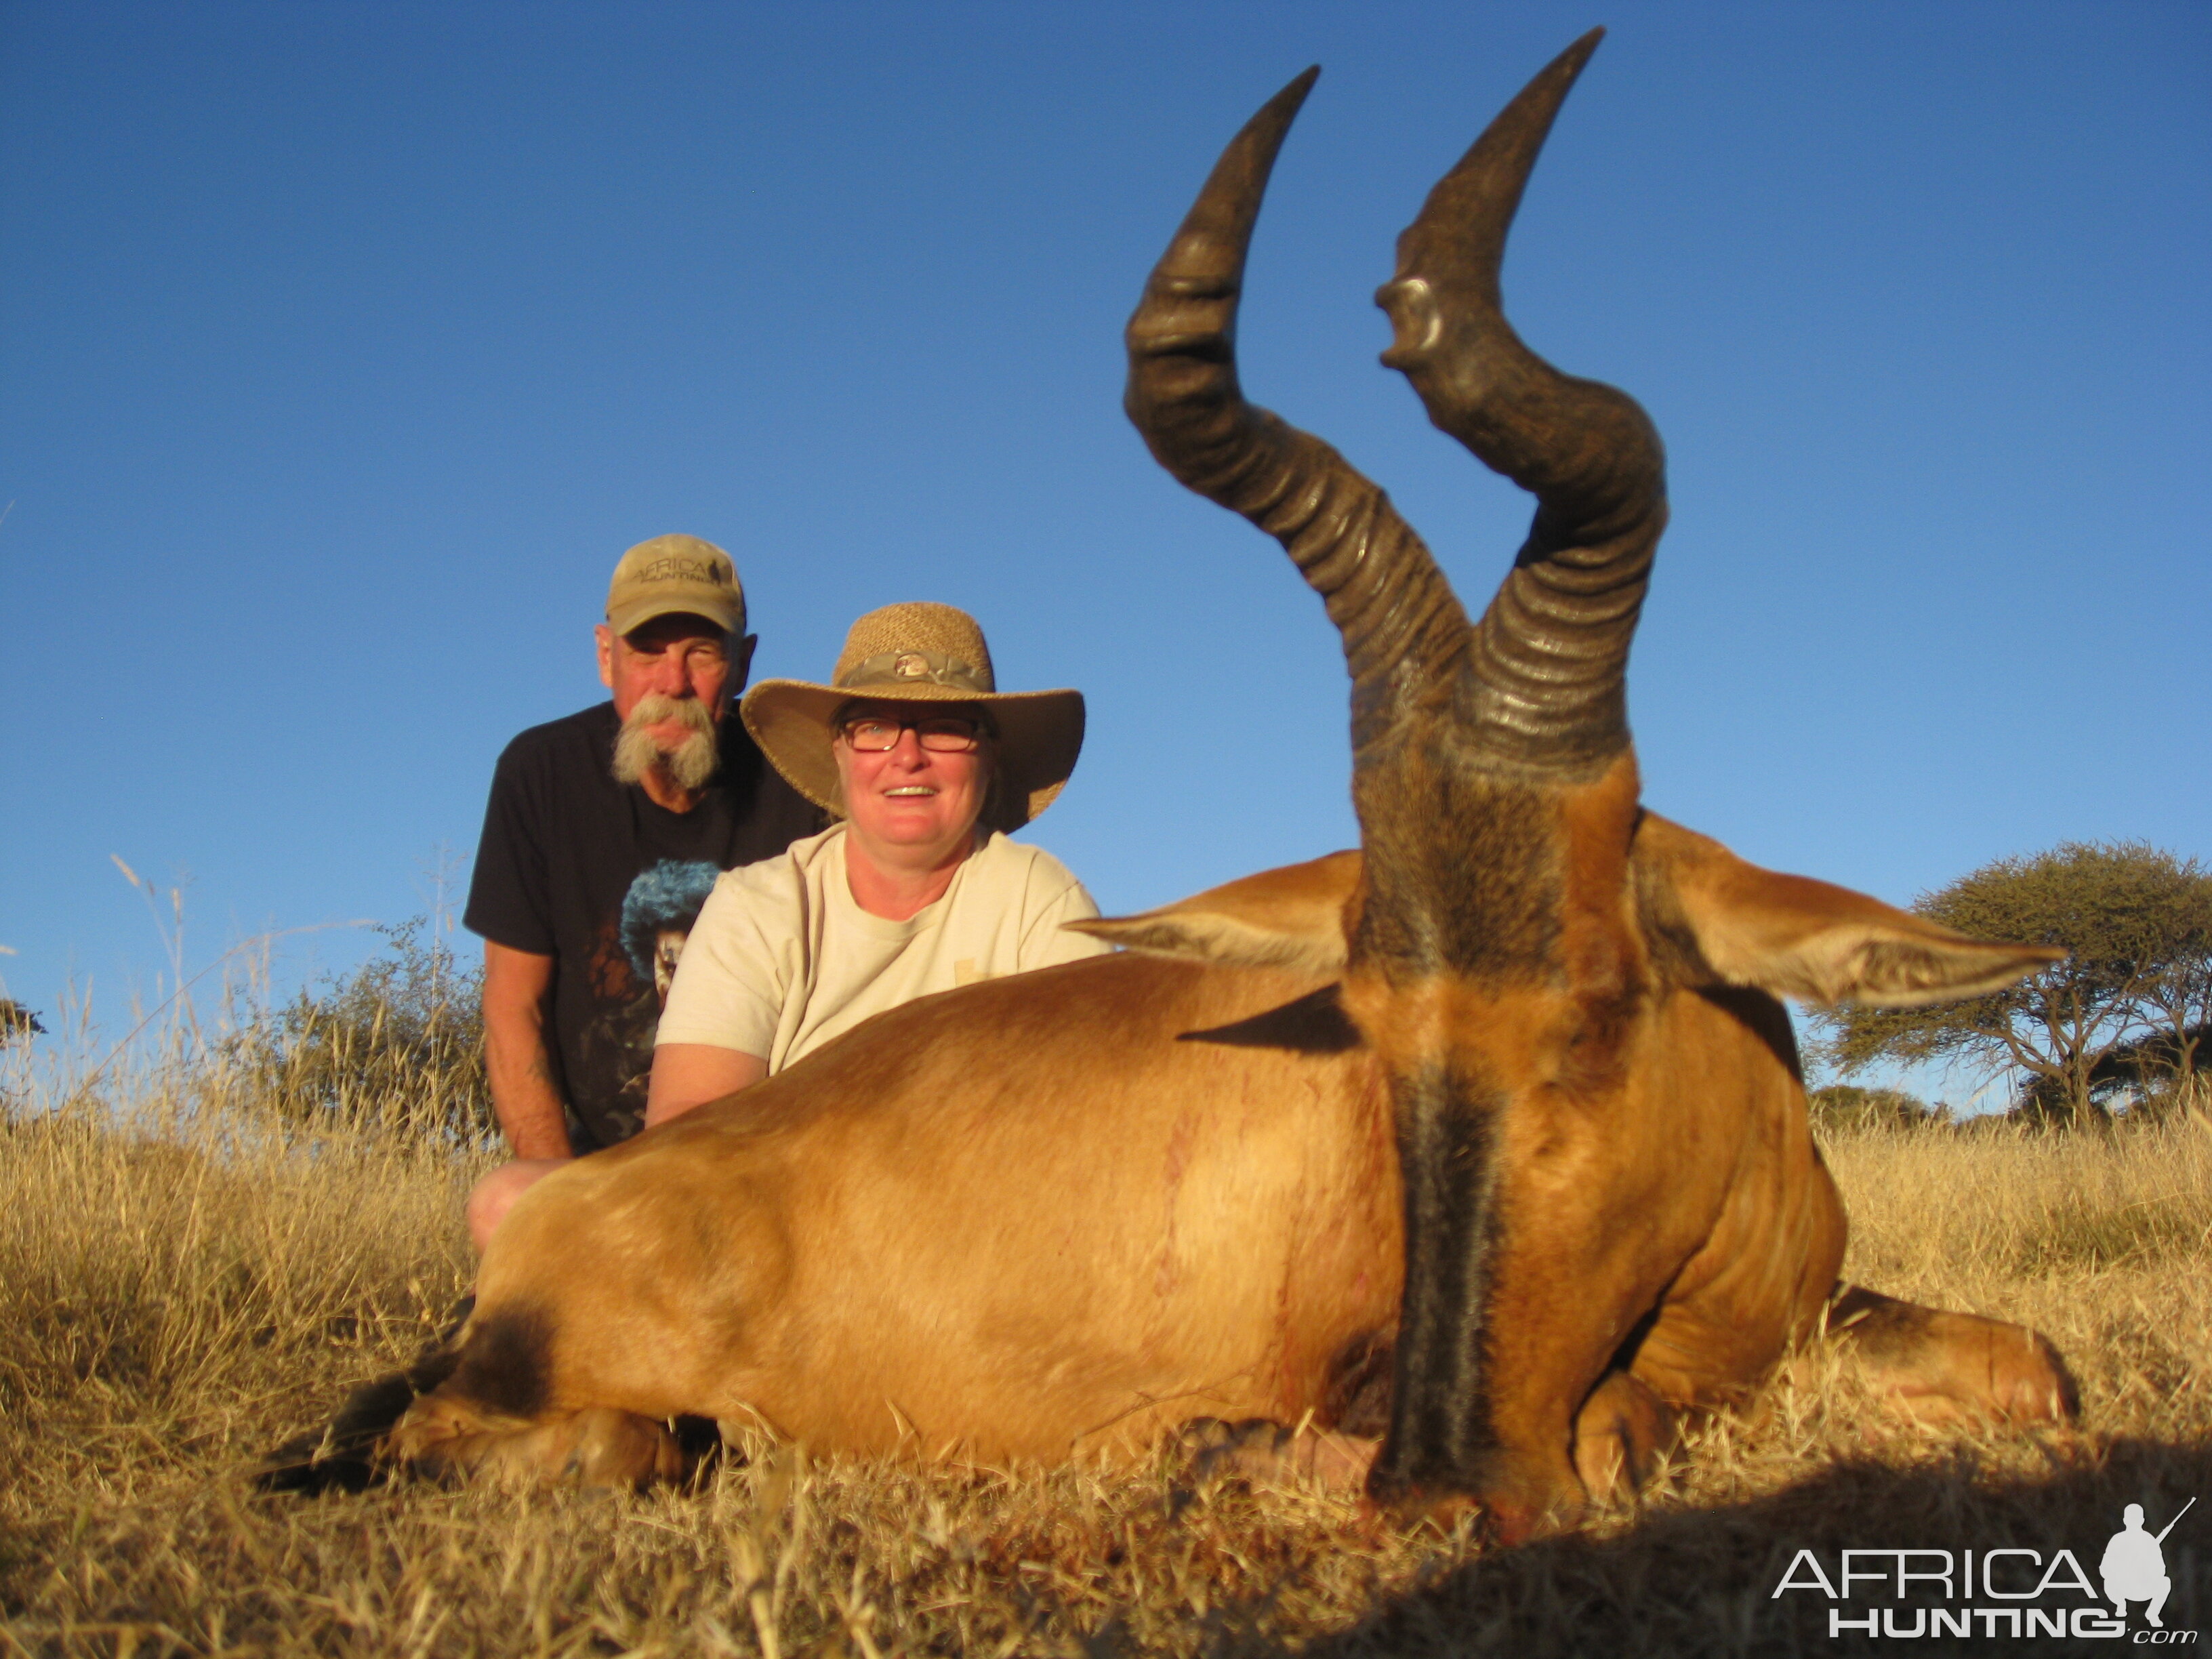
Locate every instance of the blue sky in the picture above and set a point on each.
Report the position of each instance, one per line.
(344, 347)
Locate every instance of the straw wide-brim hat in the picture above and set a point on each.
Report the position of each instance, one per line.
(920, 653)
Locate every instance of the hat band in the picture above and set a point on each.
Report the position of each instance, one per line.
(916, 668)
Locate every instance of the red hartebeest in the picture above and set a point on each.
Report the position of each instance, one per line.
(1489, 1135)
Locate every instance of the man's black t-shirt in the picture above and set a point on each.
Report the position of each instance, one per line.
(591, 872)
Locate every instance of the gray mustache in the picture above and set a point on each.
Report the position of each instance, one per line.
(657, 709)
(690, 764)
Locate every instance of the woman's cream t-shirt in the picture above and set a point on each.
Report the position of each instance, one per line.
(782, 959)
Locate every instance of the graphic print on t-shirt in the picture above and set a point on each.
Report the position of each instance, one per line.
(633, 962)
(657, 914)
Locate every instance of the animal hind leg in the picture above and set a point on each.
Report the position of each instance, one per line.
(1938, 1366)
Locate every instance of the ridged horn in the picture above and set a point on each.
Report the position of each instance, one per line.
(1544, 680)
(1403, 630)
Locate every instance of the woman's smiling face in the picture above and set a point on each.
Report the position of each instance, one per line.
(923, 802)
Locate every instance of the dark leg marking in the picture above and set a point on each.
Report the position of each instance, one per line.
(506, 1362)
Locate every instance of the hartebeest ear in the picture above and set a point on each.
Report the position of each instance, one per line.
(1291, 918)
(1736, 924)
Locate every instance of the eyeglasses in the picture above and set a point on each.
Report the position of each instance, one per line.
(941, 734)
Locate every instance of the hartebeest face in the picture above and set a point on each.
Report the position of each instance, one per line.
(1526, 948)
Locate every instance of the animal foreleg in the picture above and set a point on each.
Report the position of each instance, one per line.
(1621, 1434)
(1940, 1367)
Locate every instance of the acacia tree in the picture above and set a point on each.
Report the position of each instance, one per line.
(2182, 1001)
(2138, 921)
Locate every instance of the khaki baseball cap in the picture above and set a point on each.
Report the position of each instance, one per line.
(675, 573)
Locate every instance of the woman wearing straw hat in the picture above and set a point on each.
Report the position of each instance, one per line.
(917, 890)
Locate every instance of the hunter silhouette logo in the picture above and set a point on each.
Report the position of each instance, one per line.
(2134, 1567)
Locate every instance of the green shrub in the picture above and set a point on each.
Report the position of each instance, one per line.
(398, 1042)
(1847, 1106)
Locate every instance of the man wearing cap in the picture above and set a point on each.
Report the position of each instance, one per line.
(603, 834)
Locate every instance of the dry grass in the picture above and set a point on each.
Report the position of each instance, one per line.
(175, 1299)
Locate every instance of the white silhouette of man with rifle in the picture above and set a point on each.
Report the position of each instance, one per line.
(2134, 1567)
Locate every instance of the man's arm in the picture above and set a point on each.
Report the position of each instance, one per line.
(688, 1074)
(516, 986)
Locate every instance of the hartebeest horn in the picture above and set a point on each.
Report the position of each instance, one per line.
(1403, 630)
(1544, 680)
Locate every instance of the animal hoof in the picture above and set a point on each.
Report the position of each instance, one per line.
(1218, 1450)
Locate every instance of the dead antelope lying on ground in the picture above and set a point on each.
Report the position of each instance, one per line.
(1488, 1138)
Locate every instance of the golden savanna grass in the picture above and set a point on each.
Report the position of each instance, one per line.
(185, 1279)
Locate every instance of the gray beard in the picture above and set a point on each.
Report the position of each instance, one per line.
(690, 765)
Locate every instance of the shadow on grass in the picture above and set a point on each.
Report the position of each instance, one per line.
(1703, 1580)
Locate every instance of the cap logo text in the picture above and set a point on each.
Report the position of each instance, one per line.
(672, 568)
